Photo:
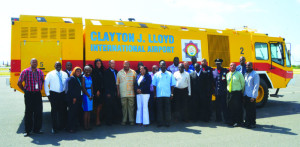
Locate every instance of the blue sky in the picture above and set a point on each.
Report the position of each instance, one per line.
(275, 17)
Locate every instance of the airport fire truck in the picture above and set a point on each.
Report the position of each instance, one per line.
(68, 39)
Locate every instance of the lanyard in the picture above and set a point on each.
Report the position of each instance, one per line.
(78, 81)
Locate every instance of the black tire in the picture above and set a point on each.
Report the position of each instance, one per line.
(265, 88)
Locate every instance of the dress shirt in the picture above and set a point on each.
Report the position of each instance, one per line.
(173, 68)
(191, 67)
(241, 69)
(163, 83)
(182, 80)
(69, 72)
(33, 80)
(151, 86)
(125, 81)
(238, 81)
(198, 73)
(140, 80)
(188, 71)
(53, 79)
(251, 84)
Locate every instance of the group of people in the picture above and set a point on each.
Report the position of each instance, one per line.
(181, 92)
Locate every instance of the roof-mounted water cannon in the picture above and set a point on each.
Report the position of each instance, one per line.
(131, 19)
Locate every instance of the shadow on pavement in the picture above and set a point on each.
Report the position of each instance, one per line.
(274, 129)
(101, 132)
(272, 109)
(278, 108)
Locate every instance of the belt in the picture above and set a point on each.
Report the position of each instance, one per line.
(181, 88)
(33, 91)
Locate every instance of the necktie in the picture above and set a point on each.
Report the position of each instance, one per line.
(230, 83)
(114, 74)
(60, 81)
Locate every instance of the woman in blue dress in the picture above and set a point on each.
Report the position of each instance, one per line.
(87, 101)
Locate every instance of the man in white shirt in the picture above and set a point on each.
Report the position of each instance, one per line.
(56, 96)
(250, 94)
(182, 91)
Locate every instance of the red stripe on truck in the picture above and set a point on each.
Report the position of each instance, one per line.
(15, 66)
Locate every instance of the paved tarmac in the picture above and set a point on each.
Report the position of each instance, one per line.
(278, 124)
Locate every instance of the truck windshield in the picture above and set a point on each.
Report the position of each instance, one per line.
(277, 53)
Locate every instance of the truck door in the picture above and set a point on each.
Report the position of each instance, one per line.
(46, 53)
(277, 64)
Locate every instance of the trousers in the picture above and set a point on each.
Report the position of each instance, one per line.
(33, 111)
(142, 113)
(163, 106)
(127, 109)
(235, 106)
(181, 103)
(250, 108)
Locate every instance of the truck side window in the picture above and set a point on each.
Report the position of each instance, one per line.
(287, 57)
(261, 51)
(277, 53)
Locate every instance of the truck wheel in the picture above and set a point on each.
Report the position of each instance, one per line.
(263, 94)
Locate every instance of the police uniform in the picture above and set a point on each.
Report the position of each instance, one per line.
(220, 85)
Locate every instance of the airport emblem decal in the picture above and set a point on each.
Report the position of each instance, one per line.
(190, 48)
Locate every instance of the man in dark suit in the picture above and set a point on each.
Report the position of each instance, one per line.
(112, 108)
(200, 94)
(209, 71)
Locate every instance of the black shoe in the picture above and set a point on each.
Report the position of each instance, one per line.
(159, 125)
(53, 131)
(108, 123)
(26, 134)
(71, 131)
(38, 132)
(218, 120)
(251, 126)
(247, 125)
(167, 125)
(229, 124)
(236, 125)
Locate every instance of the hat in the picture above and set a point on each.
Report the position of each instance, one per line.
(218, 61)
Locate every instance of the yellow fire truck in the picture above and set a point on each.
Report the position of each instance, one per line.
(50, 39)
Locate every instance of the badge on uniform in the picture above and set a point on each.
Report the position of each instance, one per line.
(36, 86)
(208, 71)
(223, 78)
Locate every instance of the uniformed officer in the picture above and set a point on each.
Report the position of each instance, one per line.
(209, 71)
(220, 84)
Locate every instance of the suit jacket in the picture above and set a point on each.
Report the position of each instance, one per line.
(67, 73)
(199, 84)
(74, 89)
(209, 71)
(144, 85)
(110, 86)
